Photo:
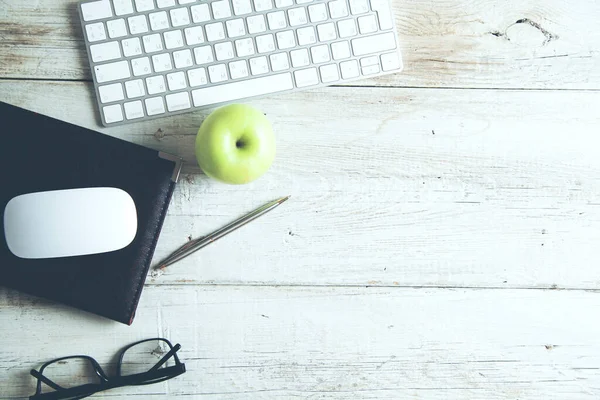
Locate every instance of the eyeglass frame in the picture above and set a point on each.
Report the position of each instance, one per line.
(107, 382)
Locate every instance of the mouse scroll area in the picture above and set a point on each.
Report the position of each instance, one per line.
(69, 223)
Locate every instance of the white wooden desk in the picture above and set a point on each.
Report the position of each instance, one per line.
(442, 241)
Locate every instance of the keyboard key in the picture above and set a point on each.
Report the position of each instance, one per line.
(141, 66)
(299, 58)
(285, 40)
(156, 84)
(303, 1)
(265, 43)
(155, 106)
(159, 21)
(178, 101)
(347, 28)
(179, 16)
(338, 9)
(279, 62)
(326, 32)
(262, 5)
(244, 47)
(110, 93)
(371, 70)
(373, 44)
(193, 35)
(367, 24)
(134, 109)
(359, 6)
(116, 28)
(131, 47)
(276, 20)
(95, 32)
(105, 51)
(144, 5)
(365, 62)
(235, 28)
(221, 9)
(183, 58)
(297, 16)
(186, 1)
(215, 32)
(329, 73)
(200, 13)
(203, 55)
(162, 63)
(137, 24)
(306, 77)
(152, 43)
(256, 24)
(173, 39)
(306, 35)
(197, 77)
(383, 13)
(242, 89)
(320, 54)
(238, 69)
(259, 65)
(242, 7)
(134, 88)
(112, 72)
(224, 51)
(217, 73)
(390, 61)
(122, 7)
(317, 12)
(96, 10)
(349, 69)
(283, 3)
(165, 3)
(340, 50)
(113, 113)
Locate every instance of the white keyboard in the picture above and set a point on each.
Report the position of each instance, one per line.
(154, 58)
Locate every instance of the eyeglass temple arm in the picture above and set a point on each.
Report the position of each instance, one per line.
(47, 381)
(171, 352)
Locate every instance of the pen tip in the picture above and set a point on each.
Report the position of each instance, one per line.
(284, 199)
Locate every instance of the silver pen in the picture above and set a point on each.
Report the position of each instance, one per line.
(194, 245)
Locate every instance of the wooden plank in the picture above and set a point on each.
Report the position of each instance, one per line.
(337, 343)
(447, 43)
(506, 193)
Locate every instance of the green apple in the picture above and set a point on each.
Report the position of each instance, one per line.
(235, 144)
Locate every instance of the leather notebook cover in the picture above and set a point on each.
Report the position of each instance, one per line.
(39, 153)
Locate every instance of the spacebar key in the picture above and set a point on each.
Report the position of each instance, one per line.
(242, 89)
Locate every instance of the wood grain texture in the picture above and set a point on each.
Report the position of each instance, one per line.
(424, 222)
(448, 43)
(462, 188)
(333, 343)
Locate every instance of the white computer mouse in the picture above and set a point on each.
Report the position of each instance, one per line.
(67, 223)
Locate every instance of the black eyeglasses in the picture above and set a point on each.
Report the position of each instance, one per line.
(141, 363)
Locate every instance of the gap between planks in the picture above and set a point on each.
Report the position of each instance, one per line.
(351, 86)
(367, 286)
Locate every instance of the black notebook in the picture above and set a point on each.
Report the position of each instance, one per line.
(39, 154)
